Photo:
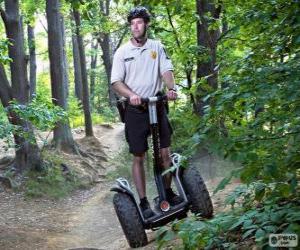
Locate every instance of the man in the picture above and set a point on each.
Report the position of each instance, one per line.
(139, 66)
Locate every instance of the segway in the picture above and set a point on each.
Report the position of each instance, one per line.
(190, 187)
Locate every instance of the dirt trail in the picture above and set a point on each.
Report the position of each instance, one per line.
(84, 220)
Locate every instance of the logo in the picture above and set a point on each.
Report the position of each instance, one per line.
(153, 54)
(283, 240)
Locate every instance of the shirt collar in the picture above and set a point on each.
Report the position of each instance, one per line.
(145, 46)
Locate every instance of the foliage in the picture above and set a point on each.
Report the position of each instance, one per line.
(30, 8)
(76, 116)
(234, 228)
(43, 116)
(259, 102)
(51, 182)
(6, 129)
(75, 111)
(3, 51)
(184, 124)
(253, 119)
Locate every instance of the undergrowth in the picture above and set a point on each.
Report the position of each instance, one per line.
(53, 181)
(122, 162)
(248, 223)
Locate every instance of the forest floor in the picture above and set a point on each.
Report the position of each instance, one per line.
(84, 220)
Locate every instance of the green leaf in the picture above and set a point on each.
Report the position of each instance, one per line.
(247, 223)
(259, 235)
(259, 191)
(248, 233)
(237, 224)
(270, 229)
(223, 183)
(169, 235)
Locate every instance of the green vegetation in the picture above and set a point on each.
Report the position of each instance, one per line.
(42, 114)
(185, 126)
(51, 182)
(248, 223)
(122, 161)
(252, 120)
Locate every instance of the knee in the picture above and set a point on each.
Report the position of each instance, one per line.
(138, 159)
(166, 158)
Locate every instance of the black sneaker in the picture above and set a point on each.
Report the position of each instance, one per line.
(173, 198)
(146, 209)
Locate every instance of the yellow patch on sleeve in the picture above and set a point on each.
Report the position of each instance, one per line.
(153, 54)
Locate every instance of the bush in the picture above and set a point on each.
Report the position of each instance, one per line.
(231, 229)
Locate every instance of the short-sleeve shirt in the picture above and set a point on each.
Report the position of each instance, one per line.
(141, 68)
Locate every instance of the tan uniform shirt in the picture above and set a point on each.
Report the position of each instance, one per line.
(141, 68)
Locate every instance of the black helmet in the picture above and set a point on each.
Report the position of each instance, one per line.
(139, 12)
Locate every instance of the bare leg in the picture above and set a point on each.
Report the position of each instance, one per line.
(166, 160)
(138, 174)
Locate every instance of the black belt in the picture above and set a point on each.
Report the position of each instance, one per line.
(138, 108)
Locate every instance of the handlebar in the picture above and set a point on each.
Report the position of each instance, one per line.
(147, 99)
(155, 99)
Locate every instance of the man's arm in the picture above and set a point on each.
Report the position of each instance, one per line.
(168, 78)
(123, 90)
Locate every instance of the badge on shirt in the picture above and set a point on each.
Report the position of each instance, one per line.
(153, 54)
(128, 59)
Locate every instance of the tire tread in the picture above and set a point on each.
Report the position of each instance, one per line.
(130, 220)
(197, 193)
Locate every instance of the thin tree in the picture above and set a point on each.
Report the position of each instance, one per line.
(32, 59)
(77, 68)
(94, 60)
(85, 87)
(104, 41)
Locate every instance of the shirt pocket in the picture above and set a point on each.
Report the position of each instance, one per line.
(129, 62)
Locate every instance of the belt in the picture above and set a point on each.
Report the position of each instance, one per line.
(138, 108)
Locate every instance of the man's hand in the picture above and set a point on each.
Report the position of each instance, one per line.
(135, 100)
(172, 95)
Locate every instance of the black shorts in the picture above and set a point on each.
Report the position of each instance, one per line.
(137, 128)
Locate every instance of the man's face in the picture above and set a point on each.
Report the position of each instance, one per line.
(138, 28)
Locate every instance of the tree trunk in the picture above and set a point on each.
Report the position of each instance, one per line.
(188, 74)
(206, 39)
(94, 58)
(32, 60)
(104, 41)
(65, 61)
(63, 138)
(85, 87)
(77, 69)
(27, 151)
(14, 33)
(106, 57)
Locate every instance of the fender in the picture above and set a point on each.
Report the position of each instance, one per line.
(122, 186)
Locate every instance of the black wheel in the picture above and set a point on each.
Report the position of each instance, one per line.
(130, 220)
(197, 193)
